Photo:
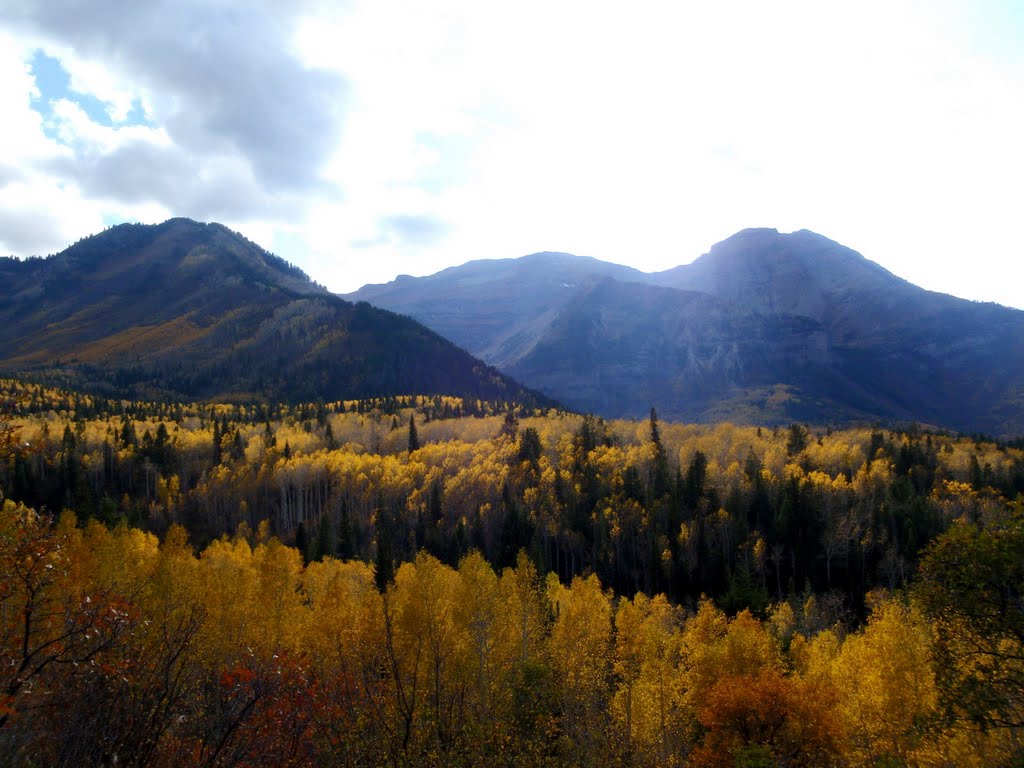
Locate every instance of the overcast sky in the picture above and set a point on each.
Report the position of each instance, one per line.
(367, 139)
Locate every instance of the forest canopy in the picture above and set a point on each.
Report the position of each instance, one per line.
(428, 580)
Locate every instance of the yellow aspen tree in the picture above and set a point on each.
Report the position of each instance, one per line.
(886, 686)
(425, 600)
(648, 695)
(580, 648)
(479, 611)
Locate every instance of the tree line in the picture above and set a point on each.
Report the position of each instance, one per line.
(748, 515)
(116, 647)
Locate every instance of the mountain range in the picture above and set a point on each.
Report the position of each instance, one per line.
(766, 327)
(185, 310)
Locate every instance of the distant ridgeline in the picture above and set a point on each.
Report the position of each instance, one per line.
(742, 513)
(766, 328)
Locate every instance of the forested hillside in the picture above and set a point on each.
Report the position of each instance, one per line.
(185, 310)
(433, 581)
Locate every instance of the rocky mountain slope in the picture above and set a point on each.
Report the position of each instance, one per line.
(766, 327)
(499, 308)
(189, 310)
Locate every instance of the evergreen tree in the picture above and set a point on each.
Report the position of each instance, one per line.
(346, 541)
(302, 542)
(162, 451)
(655, 433)
(659, 472)
(797, 440)
(128, 436)
(530, 448)
(414, 440)
(436, 504)
(217, 458)
(693, 484)
(324, 540)
(384, 572)
(238, 447)
(510, 425)
(68, 440)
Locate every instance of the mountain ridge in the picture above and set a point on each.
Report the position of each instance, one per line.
(190, 310)
(502, 322)
(877, 347)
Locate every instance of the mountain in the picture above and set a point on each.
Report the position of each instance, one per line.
(190, 310)
(498, 308)
(805, 274)
(766, 327)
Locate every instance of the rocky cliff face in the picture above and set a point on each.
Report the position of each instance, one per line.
(683, 352)
(765, 327)
(497, 308)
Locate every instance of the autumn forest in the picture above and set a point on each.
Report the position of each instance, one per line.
(428, 580)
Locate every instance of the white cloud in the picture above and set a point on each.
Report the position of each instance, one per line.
(388, 136)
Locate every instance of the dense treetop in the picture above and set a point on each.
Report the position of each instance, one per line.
(742, 513)
(434, 581)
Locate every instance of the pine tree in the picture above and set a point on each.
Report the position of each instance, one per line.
(693, 485)
(414, 440)
(128, 437)
(301, 542)
(797, 440)
(217, 458)
(346, 541)
(384, 572)
(510, 426)
(655, 433)
(324, 540)
(659, 473)
(68, 440)
(238, 447)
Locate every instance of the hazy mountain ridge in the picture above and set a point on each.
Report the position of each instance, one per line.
(765, 327)
(497, 307)
(183, 309)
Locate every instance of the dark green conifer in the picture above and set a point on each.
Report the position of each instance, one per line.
(414, 440)
(384, 571)
(301, 542)
(324, 546)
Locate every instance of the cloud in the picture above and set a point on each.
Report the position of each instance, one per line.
(9, 174)
(372, 137)
(413, 230)
(140, 171)
(26, 233)
(218, 77)
(38, 217)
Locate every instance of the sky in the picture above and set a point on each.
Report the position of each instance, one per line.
(365, 139)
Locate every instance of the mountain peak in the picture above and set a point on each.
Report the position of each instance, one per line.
(753, 233)
(766, 326)
(759, 241)
(181, 247)
(798, 273)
